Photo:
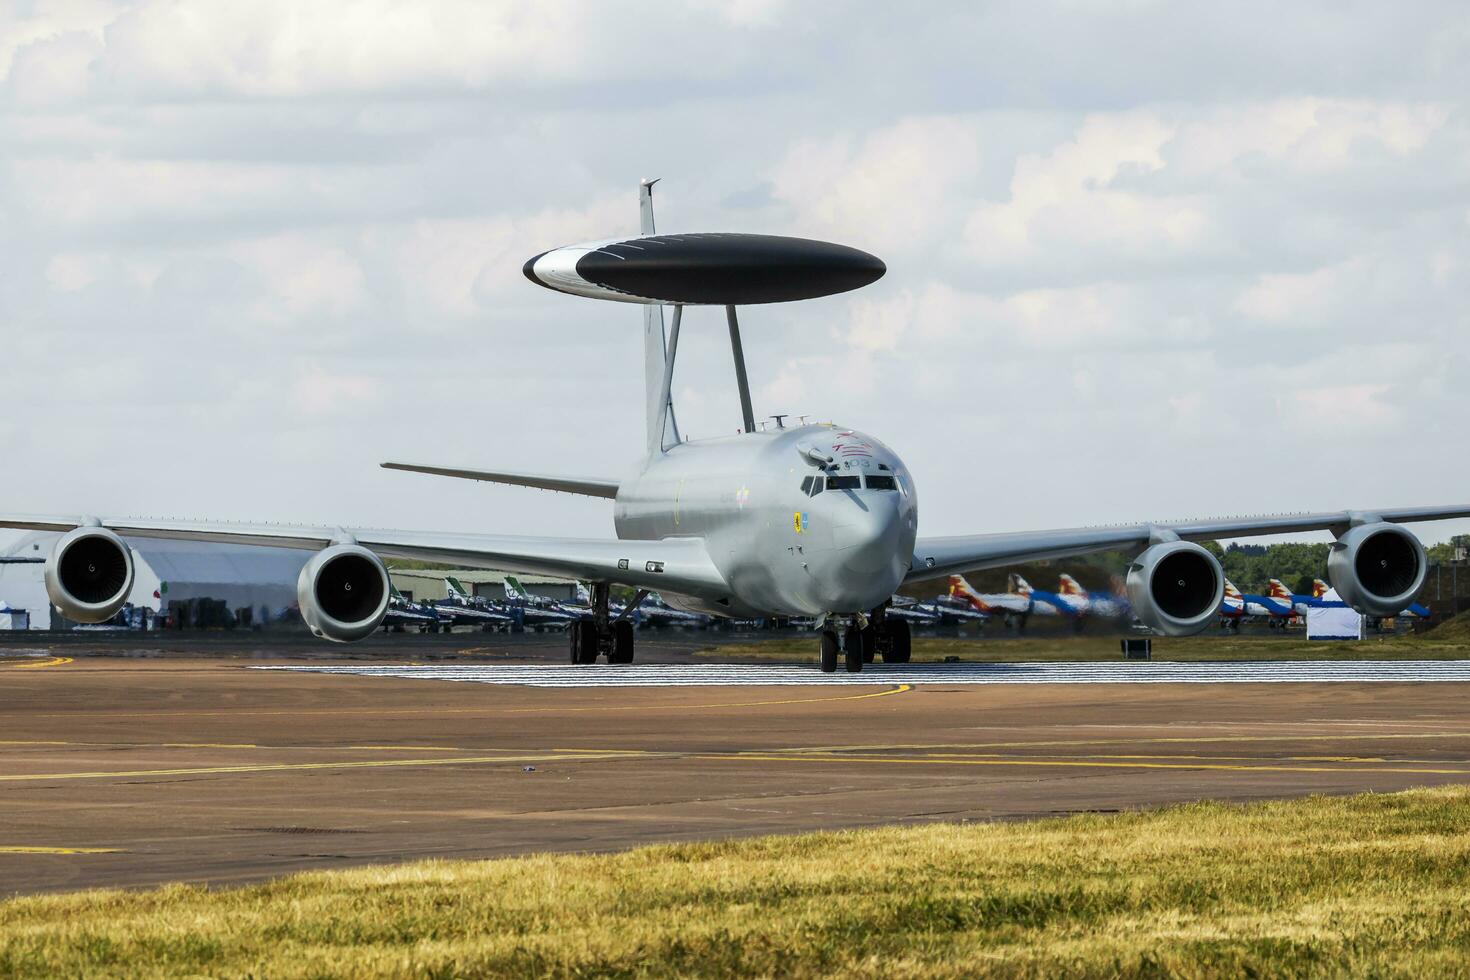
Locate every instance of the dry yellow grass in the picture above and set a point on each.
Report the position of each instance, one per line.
(1367, 885)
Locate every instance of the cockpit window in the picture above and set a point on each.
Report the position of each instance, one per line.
(813, 485)
(881, 483)
(806, 485)
(843, 483)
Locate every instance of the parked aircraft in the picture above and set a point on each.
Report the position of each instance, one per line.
(1104, 605)
(724, 526)
(962, 594)
(404, 615)
(1301, 603)
(921, 614)
(650, 611)
(461, 608)
(539, 611)
(1236, 606)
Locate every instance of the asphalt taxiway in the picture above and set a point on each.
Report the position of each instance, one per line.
(139, 771)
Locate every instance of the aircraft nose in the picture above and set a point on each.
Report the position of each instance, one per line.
(866, 534)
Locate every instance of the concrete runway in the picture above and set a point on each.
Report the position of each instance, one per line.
(140, 771)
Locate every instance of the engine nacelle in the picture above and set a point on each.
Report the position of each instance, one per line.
(1377, 569)
(89, 574)
(343, 592)
(1176, 588)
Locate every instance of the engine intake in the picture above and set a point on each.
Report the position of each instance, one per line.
(89, 574)
(1377, 569)
(1176, 588)
(343, 593)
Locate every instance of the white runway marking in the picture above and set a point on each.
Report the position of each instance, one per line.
(760, 675)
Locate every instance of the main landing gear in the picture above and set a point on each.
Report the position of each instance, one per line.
(599, 635)
(863, 639)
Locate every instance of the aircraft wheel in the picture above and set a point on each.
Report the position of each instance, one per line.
(852, 650)
(622, 650)
(870, 644)
(829, 652)
(574, 637)
(585, 633)
(900, 642)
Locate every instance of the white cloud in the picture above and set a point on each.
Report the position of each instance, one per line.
(290, 236)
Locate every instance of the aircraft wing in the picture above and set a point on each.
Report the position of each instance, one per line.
(586, 486)
(934, 557)
(678, 564)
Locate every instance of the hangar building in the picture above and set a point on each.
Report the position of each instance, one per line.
(170, 571)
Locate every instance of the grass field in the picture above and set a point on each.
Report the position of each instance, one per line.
(1450, 641)
(1364, 885)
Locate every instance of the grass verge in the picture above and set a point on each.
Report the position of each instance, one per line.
(1362, 885)
(1104, 647)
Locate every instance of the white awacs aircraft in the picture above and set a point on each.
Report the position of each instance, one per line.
(813, 520)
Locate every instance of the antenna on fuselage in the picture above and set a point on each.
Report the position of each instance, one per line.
(702, 269)
(747, 413)
(658, 348)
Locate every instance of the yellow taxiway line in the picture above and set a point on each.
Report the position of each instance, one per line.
(22, 849)
(34, 743)
(1057, 763)
(41, 777)
(488, 710)
(33, 664)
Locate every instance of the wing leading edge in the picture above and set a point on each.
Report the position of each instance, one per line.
(676, 564)
(585, 486)
(934, 557)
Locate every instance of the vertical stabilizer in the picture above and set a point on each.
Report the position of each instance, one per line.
(514, 589)
(1276, 589)
(659, 411)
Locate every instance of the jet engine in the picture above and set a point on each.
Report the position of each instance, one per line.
(343, 592)
(89, 574)
(1377, 569)
(1176, 587)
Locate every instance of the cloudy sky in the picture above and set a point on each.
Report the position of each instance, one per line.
(1145, 259)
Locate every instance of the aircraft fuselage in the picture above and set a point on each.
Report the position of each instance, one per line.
(783, 549)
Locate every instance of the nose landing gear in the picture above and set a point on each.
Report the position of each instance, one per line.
(855, 643)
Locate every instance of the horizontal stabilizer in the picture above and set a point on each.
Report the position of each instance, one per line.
(585, 486)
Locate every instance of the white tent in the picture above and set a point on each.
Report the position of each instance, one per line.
(1333, 619)
(13, 619)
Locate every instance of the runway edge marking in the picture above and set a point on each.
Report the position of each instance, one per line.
(764, 675)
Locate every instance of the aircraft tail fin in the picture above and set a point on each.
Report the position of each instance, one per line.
(1067, 585)
(514, 589)
(1019, 585)
(454, 588)
(1319, 588)
(1277, 590)
(1231, 592)
(959, 587)
(663, 430)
